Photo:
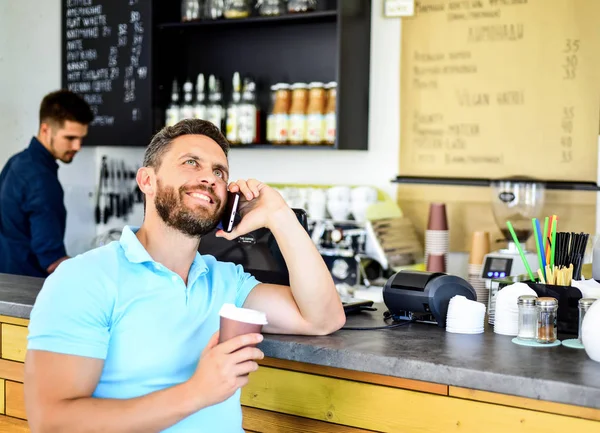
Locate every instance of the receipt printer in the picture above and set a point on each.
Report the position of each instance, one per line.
(423, 296)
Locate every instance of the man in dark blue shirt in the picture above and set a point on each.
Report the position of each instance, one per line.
(32, 210)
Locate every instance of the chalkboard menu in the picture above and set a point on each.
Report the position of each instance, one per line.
(106, 59)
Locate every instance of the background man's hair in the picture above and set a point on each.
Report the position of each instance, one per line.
(62, 105)
(161, 142)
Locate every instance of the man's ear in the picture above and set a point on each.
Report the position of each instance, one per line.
(45, 130)
(146, 180)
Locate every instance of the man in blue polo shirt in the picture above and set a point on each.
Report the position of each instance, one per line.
(124, 338)
(32, 211)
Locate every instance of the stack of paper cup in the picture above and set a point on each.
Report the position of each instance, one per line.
(437, 239)
(465, 316)
(507, 310)
(480, 246)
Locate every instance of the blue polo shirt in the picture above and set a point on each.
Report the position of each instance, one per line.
(117, 304)
(32, 213)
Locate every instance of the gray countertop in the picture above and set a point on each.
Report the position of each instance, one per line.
(17, 294)
(487, 361)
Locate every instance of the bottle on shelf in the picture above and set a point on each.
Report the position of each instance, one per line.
(200, 106)
(232, 123)
(315, 113)
(330, 118)
(172, 114)
(248, 114)
(215, 102)
(281, 111)
(213, 9)
(298, 114)
(271, 116)
(190, 10)
(187, 109)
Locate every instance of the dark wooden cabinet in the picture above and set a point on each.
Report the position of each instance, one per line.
(330, 44)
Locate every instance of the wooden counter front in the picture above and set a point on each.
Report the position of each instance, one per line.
(285, 396)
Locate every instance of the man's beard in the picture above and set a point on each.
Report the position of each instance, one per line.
(67, 157)
(194, 222)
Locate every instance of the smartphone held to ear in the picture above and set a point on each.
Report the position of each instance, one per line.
(231, 216)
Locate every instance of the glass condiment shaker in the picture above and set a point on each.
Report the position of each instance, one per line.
(546, 323)
(528, 317)
(296, 6)
(271, 8)
(584, 306)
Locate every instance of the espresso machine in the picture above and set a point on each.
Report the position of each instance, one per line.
(347, 248)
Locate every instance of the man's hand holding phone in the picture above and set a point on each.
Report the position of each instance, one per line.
(258, 206)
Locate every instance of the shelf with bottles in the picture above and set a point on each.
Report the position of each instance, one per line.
(334, 49)
(199, 13)
(300, 114)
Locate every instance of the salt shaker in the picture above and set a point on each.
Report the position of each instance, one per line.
(528, 317)
(546, 329)
(584, 305)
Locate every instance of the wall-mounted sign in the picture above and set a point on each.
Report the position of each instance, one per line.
(399, 8)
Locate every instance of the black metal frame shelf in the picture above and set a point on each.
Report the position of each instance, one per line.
(462, 181)
(307, 17)
(283, 146)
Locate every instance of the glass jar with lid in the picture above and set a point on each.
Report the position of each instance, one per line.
(584, 306)
(271, 8)
(298, 113)
(314, 113)
(235, 9)
(528, 317)
(546, 323)
(298, 6)
(330, 119)
(281, 109)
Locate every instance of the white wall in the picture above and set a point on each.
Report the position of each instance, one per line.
(30, 56)
(30, 68)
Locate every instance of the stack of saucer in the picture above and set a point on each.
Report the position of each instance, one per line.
(480, 246)
(506, 321)
(437, 238)
(465, 316)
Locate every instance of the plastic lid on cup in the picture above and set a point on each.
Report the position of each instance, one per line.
(246, 315)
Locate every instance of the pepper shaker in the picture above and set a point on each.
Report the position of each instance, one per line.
(546, 330)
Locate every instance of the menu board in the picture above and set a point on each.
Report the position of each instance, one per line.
(106, 59)
(496, 88)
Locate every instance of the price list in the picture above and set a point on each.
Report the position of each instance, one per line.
(106, 57)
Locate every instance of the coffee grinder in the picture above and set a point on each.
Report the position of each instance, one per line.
(517, 201)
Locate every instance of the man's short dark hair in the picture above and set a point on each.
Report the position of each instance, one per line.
(62, 105)
(161, 142)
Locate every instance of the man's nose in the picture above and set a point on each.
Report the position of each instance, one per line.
(207, 177)
(76, 145)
